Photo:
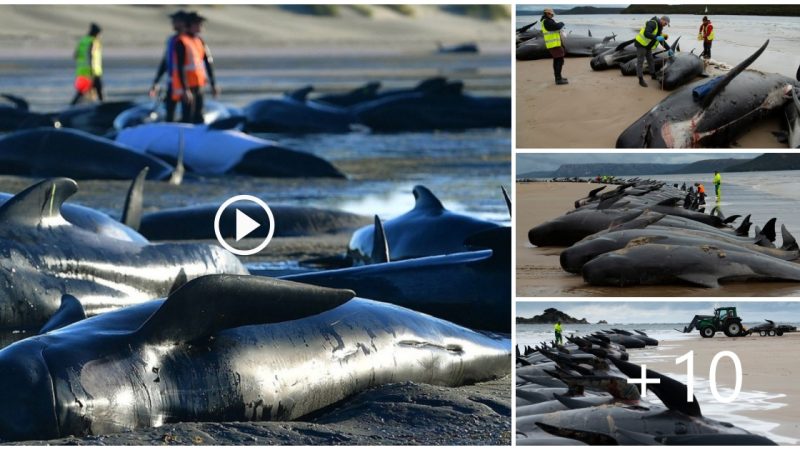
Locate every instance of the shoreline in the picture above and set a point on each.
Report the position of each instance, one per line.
(762, 373)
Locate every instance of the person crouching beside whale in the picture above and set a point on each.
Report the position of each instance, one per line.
(192, 70)
(649, 36)
(551, 31)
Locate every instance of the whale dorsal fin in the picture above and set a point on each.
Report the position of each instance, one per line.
(69, 312)
(19, 102)
(213, 303)
(39, 202)
(380, 246)
(671, 392)
(507, 198)
(769, 229)
(593, 192)
(719, 86)
(132, 211)
(426, 200)
(301, 94)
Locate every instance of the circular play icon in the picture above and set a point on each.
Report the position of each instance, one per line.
(240, 217)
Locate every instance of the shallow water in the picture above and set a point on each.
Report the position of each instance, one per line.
(736, 37)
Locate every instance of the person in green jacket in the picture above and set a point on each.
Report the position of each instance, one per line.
(717, 185)
(89, 63)
(557, 329)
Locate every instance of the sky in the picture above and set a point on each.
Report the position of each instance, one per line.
(663, 312)
(536, 162)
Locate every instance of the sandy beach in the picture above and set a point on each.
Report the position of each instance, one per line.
(596, 107)
(769, 365)
(539, 272)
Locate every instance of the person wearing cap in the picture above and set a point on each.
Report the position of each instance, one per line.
(192, 71)
(651, 34)
(551, 32)
(88, 57)
(706, 35)
(167, 62)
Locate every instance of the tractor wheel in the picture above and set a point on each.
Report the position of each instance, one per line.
(707, 332)
(779, 333)
(733, 329)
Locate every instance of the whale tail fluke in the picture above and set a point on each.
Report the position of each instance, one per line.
(719, 86)
(380, 246)
(69, 312)
(194, 311)
(132, 211)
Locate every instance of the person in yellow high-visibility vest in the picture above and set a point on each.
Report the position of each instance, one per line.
(651, 34)
(551, 32)
(557, 329)
(706, 35)
(718, 185)
(89, 65)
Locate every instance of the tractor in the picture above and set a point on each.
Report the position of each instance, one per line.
(724, 319)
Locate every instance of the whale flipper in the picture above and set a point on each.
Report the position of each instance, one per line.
(39, 202)
(69, 312)
(211, 303)
(380, 246)
(671, 392)
(132, 211)
(426, 200)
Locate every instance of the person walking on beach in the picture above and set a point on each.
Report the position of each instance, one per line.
(192, 70)
(651, 34)
(167, 64)
(557, 329)
(551, 31)
(717, 185)
(706, 35)
(88, 65)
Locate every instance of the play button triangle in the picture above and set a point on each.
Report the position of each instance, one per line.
(244, 225)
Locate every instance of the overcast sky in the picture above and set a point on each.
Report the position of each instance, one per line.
(535, 162)
(663, 312)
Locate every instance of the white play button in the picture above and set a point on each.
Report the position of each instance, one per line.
(244, 225)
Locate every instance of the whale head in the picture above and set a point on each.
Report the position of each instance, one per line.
(574, 258)
(27, 399)
(614, 269)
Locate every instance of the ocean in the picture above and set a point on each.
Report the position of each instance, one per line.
(736, 36)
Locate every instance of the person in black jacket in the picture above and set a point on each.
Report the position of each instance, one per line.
(649, 36)
(551, 32)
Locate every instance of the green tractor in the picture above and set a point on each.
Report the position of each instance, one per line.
(724, 319)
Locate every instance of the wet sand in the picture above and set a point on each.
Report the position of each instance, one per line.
(769, 364)
(594, 108)
(539, 273)
(395, 414)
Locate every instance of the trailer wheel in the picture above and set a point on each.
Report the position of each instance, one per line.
(772, 332)
(762, 333)
(779, 333)
(707, 332)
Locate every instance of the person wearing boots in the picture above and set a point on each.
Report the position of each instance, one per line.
(551, 31)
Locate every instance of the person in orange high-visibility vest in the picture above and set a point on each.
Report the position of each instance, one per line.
(701, 192)
(192, 70)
